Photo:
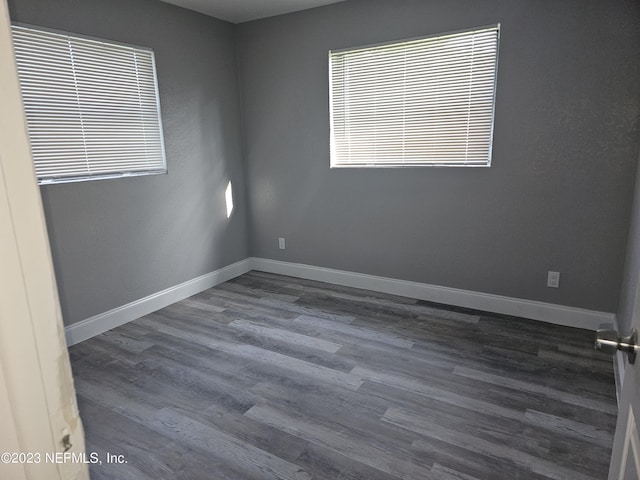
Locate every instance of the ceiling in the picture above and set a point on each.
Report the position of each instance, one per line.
(238, 11)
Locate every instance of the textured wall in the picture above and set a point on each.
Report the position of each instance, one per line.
(119, 240)
(566, 142)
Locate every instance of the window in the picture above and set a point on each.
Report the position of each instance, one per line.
(415, 103)
(92, 106)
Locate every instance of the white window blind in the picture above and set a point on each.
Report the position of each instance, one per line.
(415, 103)
(92, 106)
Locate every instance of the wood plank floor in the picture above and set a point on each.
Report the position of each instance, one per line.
(271, 377)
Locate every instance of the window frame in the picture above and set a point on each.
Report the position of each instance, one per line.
(334, 163)
(48, 180)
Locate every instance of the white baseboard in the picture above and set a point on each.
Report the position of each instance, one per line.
(546, 312)
(102, 322)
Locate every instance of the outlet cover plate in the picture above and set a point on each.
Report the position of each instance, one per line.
(553, 279)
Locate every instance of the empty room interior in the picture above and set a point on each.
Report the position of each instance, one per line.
(320, 239)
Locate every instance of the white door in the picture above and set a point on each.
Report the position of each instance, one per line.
(38, 412)
(625, 461)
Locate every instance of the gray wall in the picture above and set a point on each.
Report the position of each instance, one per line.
(629, 306)
(116, 241)
(557, 197)
(558, 194)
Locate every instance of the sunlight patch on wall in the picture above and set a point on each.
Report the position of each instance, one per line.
(228, 196)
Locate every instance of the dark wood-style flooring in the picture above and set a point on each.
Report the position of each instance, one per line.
(271, 377)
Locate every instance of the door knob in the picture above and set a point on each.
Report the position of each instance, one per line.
(608, 341)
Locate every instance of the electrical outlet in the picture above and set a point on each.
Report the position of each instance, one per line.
(281, 243)
(553, 279)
